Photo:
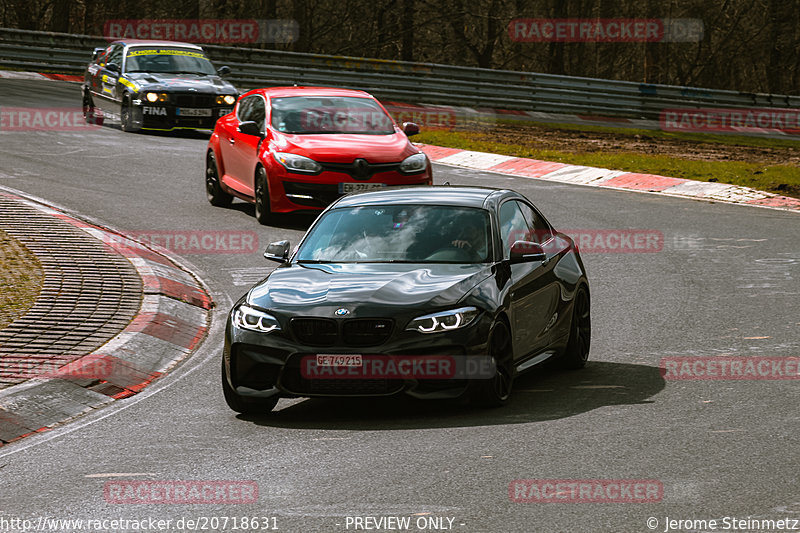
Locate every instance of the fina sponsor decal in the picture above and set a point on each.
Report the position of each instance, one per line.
(148, 110)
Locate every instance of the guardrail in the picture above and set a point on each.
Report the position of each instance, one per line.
(407, 81)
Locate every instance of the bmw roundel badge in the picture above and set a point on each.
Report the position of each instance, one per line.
(341, 312)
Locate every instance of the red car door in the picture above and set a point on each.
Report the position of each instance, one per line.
(240, 150)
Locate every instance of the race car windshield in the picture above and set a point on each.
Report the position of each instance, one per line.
(168, 61)
(326, 114)
(399, 234)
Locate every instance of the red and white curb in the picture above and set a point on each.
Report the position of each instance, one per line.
(44, 76)
(612, 179)
(173, 319)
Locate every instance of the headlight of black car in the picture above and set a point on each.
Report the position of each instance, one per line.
(227, 99)
(246, 317)
(444, 320)
(156, 97)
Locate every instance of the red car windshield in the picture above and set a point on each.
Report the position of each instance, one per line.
(330, 114)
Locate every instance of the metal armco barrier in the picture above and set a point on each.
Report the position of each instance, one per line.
(406, 81)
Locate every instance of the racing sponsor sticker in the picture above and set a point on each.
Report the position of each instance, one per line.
(167, 52)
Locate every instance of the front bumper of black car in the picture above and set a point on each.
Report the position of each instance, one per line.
(276, 364)
(193, 113)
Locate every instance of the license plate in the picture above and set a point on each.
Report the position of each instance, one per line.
(355, 187)
(339, 360)
(192, 112)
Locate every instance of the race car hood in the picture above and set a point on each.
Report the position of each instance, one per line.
(152, 81)
(363, 288)
(345, 147)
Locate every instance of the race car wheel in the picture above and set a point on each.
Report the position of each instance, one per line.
(126, 118)
(243, 404)
(580, 333)
(263, 210)
(90, 114)
(496, 391)
(216, 196)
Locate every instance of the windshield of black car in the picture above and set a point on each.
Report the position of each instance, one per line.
(168, 61)
(329, 114)
(399, 234)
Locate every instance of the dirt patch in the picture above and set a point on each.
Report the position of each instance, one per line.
(20, 279)
(582, 142)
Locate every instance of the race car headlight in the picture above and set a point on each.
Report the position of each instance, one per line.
(297, 163)
(443, 321)
(228, 99)
(156, 97)
(414, 163)
(246, 317)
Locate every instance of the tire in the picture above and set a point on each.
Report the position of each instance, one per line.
(244, 405)
(90, 114)
(495, 392)
(263, 209)
(216, 196)
(126, 118)
(580, 333)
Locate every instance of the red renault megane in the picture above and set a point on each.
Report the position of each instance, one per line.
(300, 148)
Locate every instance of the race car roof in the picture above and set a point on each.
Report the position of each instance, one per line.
(150, 42)
(310, 91)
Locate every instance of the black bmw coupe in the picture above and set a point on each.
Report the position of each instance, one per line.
(435, 292)
(155, 85)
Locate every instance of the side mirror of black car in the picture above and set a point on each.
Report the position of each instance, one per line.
(277, 251)
(113, 67)
(96, 53)
(526, 251)
(224, 70)
(409, 128)
(249, 127)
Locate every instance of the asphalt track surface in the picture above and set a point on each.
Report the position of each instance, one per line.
(727, 282)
